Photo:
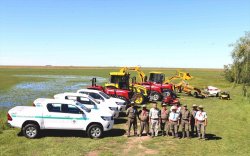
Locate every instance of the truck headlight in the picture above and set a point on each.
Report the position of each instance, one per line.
(107, 118)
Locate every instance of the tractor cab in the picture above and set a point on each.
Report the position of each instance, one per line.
(119, 80)
(157, 77)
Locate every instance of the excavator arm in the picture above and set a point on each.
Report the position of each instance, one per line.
(140, 73)
(179, 75)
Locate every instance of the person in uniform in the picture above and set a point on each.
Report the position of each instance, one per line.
(201, 122)
(174, 121)
(192, 122)
(185, 121)
(132, 114)
(144, 120)
(154, 115)
(164, 120)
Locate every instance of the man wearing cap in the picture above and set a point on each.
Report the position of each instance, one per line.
(201, 122)
(154, 115)
(174, 121)
(164, 119)
(185, 121)
(192, 122)
(144, 120)
(132, 114)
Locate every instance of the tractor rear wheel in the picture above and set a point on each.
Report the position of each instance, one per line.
(155, 96)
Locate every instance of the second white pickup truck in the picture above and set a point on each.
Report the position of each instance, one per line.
(59, 114)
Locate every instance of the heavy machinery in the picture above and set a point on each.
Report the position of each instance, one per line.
(120, 86)
(224, 95)
(154, 92)
(170, 98)
(183, 86)
(167, 85)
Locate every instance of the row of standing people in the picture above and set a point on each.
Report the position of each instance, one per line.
(168, 120)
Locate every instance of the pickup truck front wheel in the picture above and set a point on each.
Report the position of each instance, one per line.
(95, 131)
(30, 131)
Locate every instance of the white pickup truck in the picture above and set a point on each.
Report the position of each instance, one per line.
(59, 114)
(104, 98)
(88, 102)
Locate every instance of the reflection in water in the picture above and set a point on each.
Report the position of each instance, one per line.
(25, 93)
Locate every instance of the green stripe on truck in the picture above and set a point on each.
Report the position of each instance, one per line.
(48, 117)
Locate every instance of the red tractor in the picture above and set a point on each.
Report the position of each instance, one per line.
(154, 90)
(124, 94)
(170, 98)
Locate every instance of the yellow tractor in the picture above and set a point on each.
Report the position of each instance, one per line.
(121, 80)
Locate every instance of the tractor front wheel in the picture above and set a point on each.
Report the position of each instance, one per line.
(138, 98)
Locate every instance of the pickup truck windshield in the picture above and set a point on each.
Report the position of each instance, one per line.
(83, 107)
(105, 95)
(92, 99)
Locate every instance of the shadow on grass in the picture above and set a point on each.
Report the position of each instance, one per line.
(213, 137)
(70, 133)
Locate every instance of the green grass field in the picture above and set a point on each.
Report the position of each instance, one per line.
(228, 121)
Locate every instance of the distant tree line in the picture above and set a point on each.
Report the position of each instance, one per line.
(239, 71)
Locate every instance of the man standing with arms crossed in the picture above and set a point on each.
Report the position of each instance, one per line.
(154, 117)
(201, 122)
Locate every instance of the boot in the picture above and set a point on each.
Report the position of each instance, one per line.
(128, 134)
(163, 133)
(173, 135)
(176, 135)
(183, 135)
(152, 134)
(199, 135)
(188, 135)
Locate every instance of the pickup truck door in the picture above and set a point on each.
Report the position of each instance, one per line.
(53, 116)
(64, 116)
(77, 119)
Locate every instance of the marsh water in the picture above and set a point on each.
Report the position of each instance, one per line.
(26, 92)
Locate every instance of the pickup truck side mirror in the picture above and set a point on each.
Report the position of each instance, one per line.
(81, 112)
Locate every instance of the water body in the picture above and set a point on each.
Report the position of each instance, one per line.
(25, 93)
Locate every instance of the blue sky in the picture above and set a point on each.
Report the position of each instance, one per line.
(158, 33)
